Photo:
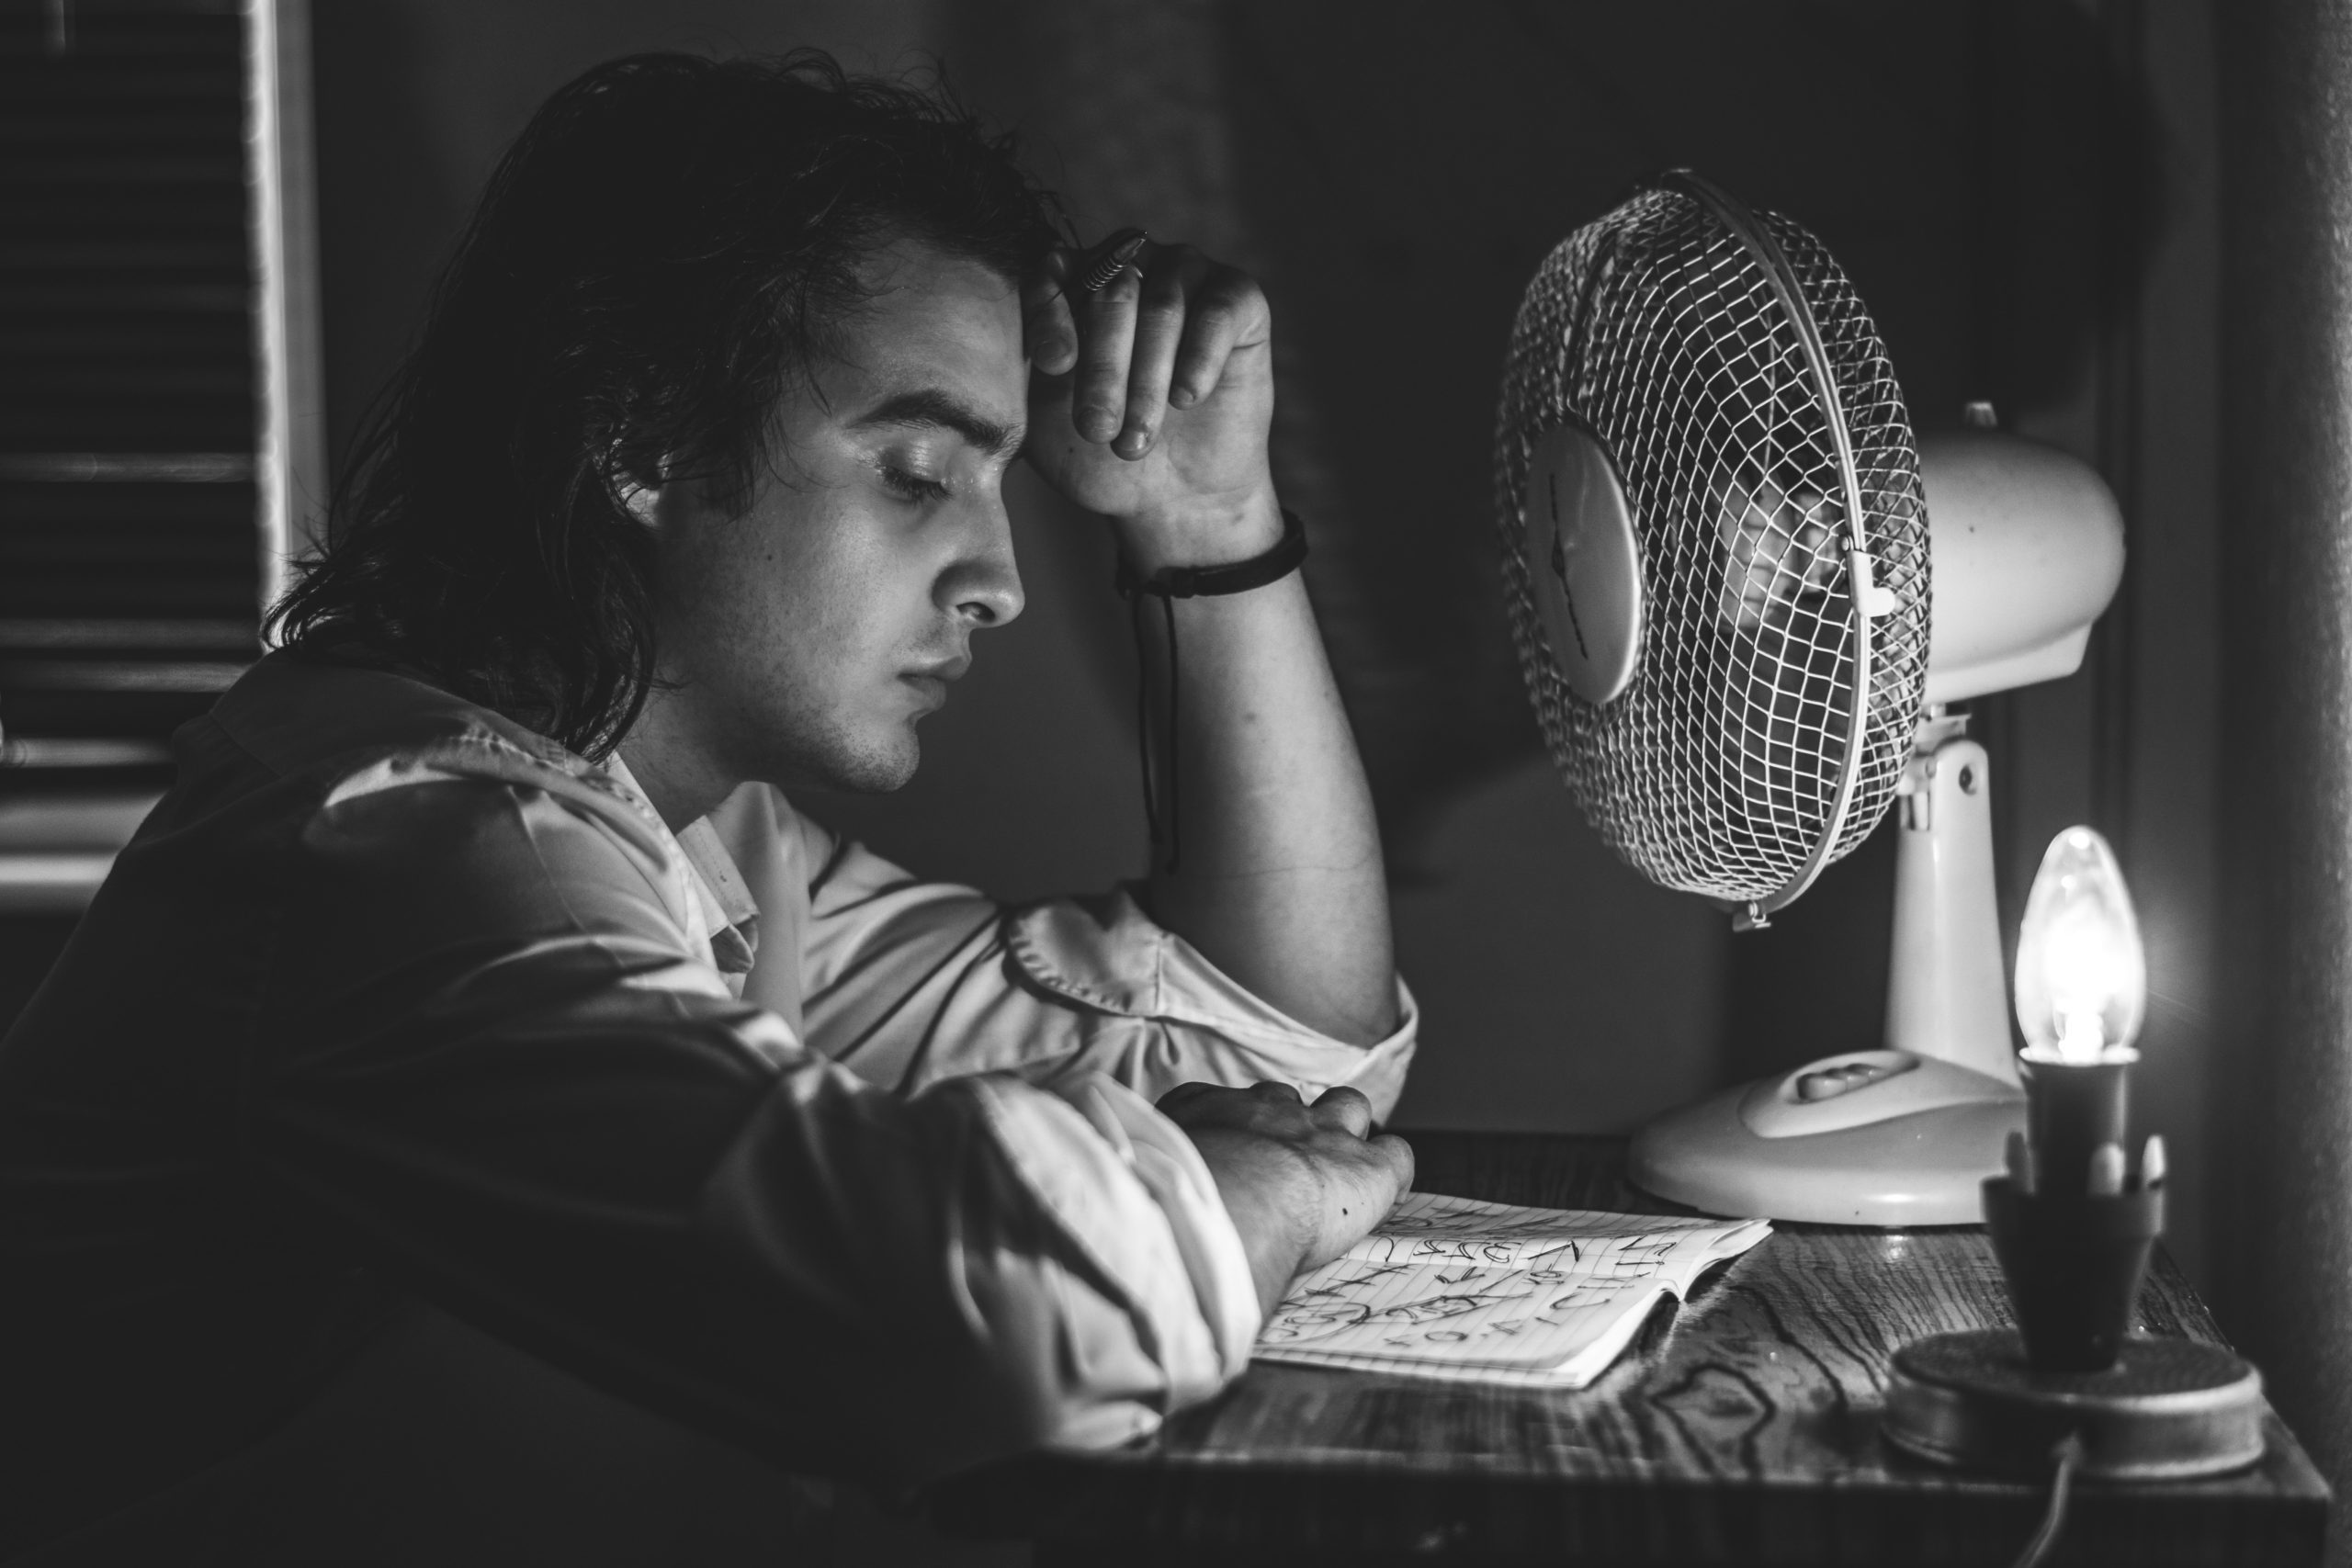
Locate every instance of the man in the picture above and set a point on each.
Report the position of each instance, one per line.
(477, 964)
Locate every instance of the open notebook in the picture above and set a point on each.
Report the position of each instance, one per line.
(1486, 1293)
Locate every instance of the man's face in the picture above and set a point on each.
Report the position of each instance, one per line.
(809, 632)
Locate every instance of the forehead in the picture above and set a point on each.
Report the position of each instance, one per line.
(937, 321)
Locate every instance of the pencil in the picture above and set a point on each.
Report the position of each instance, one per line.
(1109, 259)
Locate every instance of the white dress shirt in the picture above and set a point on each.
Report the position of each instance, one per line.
(743, 1123)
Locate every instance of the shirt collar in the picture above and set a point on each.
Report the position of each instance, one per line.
(726, 904)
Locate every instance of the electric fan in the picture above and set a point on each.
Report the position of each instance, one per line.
(1717, 547)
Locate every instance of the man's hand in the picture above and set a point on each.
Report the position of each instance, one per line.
(1151, 403)
(1302, 1182)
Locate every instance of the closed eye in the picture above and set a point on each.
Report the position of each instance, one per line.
(912, 486)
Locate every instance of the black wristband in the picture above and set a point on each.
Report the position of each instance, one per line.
(1288, 554)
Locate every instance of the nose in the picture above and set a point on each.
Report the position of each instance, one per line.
(983, 583)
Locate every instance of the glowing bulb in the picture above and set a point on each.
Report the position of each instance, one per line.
(2082, 983)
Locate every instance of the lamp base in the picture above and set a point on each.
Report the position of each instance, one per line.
(1908, 1145)
(2168, 1410)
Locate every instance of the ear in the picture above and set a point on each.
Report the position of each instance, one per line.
(641, 502)
(641, 491)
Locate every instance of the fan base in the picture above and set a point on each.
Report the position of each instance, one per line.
(1909, 1167)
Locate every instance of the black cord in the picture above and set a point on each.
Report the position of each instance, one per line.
(1175, 735)
(1167, 585)
(1143, 719)
(2068, 1455)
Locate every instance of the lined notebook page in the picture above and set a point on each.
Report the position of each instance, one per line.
(1453, 1288)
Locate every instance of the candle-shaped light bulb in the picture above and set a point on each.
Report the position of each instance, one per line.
(2082, 983)
(2073, 1244)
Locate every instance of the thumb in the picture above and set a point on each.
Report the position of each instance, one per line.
(1397, 1154)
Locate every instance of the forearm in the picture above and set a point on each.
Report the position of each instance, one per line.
(1152, 405)
(562, 1124)
(1278, 879)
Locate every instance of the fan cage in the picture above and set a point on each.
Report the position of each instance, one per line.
(1718, 770)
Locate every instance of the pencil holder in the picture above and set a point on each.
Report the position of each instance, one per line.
(2074, 1264)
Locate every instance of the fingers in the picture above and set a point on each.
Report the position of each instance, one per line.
(1397, 1155)
(1106, 324)
(1218, 314)
(1185, 1094)
(1159, 332)
(1344, 1107)
(1155, 338)
(1273, 1108)
(1049, 332)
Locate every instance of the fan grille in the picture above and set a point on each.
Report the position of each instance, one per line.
(1716, 771)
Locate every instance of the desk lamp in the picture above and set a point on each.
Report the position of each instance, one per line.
(1743, 597)
(2072, 1226)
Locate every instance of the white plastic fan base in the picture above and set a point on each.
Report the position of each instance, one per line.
(1878, 1158)
(1930, 1115)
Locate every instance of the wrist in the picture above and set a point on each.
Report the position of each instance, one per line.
(1202, 534)
(1274, 1235)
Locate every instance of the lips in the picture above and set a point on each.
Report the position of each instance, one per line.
(932, 679)
(944, 669)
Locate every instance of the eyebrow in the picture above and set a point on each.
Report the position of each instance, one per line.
(931, 406)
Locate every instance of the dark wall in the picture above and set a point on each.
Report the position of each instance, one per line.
(2285, 1249)
(1395, 172)
(28, 946)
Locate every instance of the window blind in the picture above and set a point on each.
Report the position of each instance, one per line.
(132, 564)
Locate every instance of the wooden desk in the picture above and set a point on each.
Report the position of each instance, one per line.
(1743, 1430)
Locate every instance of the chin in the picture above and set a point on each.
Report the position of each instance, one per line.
(878, 779)
(849, 753)
(874, 766)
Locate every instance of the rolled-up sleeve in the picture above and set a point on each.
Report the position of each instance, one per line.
(914, 983)
(492, 1053)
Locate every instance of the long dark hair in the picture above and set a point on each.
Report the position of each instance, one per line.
(665, 247)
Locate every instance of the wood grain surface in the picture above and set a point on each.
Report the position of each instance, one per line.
(1741, 1430)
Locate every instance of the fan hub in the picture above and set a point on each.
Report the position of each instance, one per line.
(1586, 580)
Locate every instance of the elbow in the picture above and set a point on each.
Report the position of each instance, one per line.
(1008, 1405)
(1059, 1364)
(1085, 1377)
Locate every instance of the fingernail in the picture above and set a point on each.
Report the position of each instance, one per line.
(1183, 398)
(1098, 425)
(1133, 444)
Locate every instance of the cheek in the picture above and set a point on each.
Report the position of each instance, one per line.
(794, 602)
